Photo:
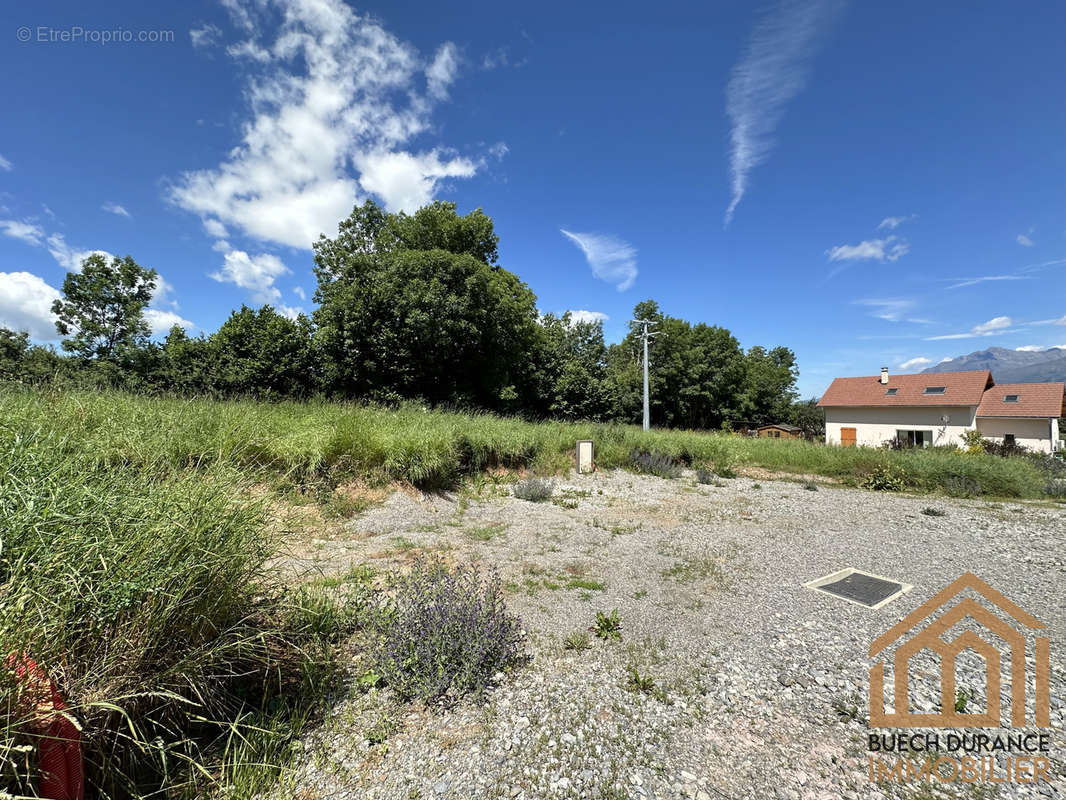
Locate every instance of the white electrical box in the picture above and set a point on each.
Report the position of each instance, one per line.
(585, 456)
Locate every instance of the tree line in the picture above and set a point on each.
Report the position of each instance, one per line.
(411, 307)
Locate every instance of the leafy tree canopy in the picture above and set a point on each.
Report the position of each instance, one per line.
(102, 309)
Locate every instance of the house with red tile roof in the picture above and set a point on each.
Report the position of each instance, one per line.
(937, 408)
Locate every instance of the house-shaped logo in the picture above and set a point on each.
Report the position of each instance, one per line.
(929, 634)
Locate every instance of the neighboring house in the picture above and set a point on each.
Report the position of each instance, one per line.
(937, 408)
(779, 432)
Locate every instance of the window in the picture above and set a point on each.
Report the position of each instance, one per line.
(935, 389)
(915, 438)
(1008, 439)
(891, 392)
(1010, 398)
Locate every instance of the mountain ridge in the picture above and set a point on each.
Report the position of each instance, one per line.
(1011, 366)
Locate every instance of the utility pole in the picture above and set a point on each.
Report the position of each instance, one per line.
(645, 335)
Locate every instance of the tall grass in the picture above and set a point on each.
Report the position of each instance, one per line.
(303, 443)
(138, 585)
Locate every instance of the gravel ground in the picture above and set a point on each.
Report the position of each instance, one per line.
(760, 684)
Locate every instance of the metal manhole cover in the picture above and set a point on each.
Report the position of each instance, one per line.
(862, 588)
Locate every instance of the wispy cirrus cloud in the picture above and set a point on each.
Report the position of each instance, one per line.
(994, 326)
(205, 36)
(1026, 239)
(611, 259)
(890, 248)
(891, 309)
(23, 230)
(5, 165)
(961, 282)
(891, 223)
(116, 209)
(774, 69)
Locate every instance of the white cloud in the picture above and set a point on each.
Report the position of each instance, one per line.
(291, 312)
(115, 208)
(499, 150)
(984, 279)
(70, 258)
(5, 165)
(581, 315)
(299, 292)
(215, 228)
(255, 273)
(892, 309)
(406, 182)
(205, 36)
(23, 231)
(1057, 321)
(773, 70)
(1024, 240)
(500, 57)
(162, 321)
(992, 327)
(26, 304)
(330, 91)
(612, 260)
(915, 362)
(164, 293)
(441, 72)
(891, 223)
(891, 248)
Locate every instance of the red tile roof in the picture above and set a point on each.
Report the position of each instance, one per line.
(1034, 400)
(960, 389)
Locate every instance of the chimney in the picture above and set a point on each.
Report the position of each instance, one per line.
(884, 374)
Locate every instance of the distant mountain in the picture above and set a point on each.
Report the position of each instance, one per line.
(1011, 366)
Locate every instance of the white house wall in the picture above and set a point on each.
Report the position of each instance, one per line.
(875, 426)
(1034, 433)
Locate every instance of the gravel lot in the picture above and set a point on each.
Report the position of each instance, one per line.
(760, 685)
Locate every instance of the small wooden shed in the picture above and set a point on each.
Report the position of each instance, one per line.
(779, 431)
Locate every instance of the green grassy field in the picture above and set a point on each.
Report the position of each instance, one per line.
(301, 444)
(136, 530)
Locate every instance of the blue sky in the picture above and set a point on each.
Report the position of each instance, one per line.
(866, 185)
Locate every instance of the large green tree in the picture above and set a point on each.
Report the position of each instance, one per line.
(410, 307)
(696, 376)
(101, 313)
(573, 369)
(260, 353)
(770, 384)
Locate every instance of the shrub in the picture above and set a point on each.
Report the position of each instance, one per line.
(930, 511)
(962, 486)
(654, 463)
(705, 476)
(535, 490)
(608, 626)
(446, 633)
(885, 478)
(725, 471)
(811, 486)
(1056, 488)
